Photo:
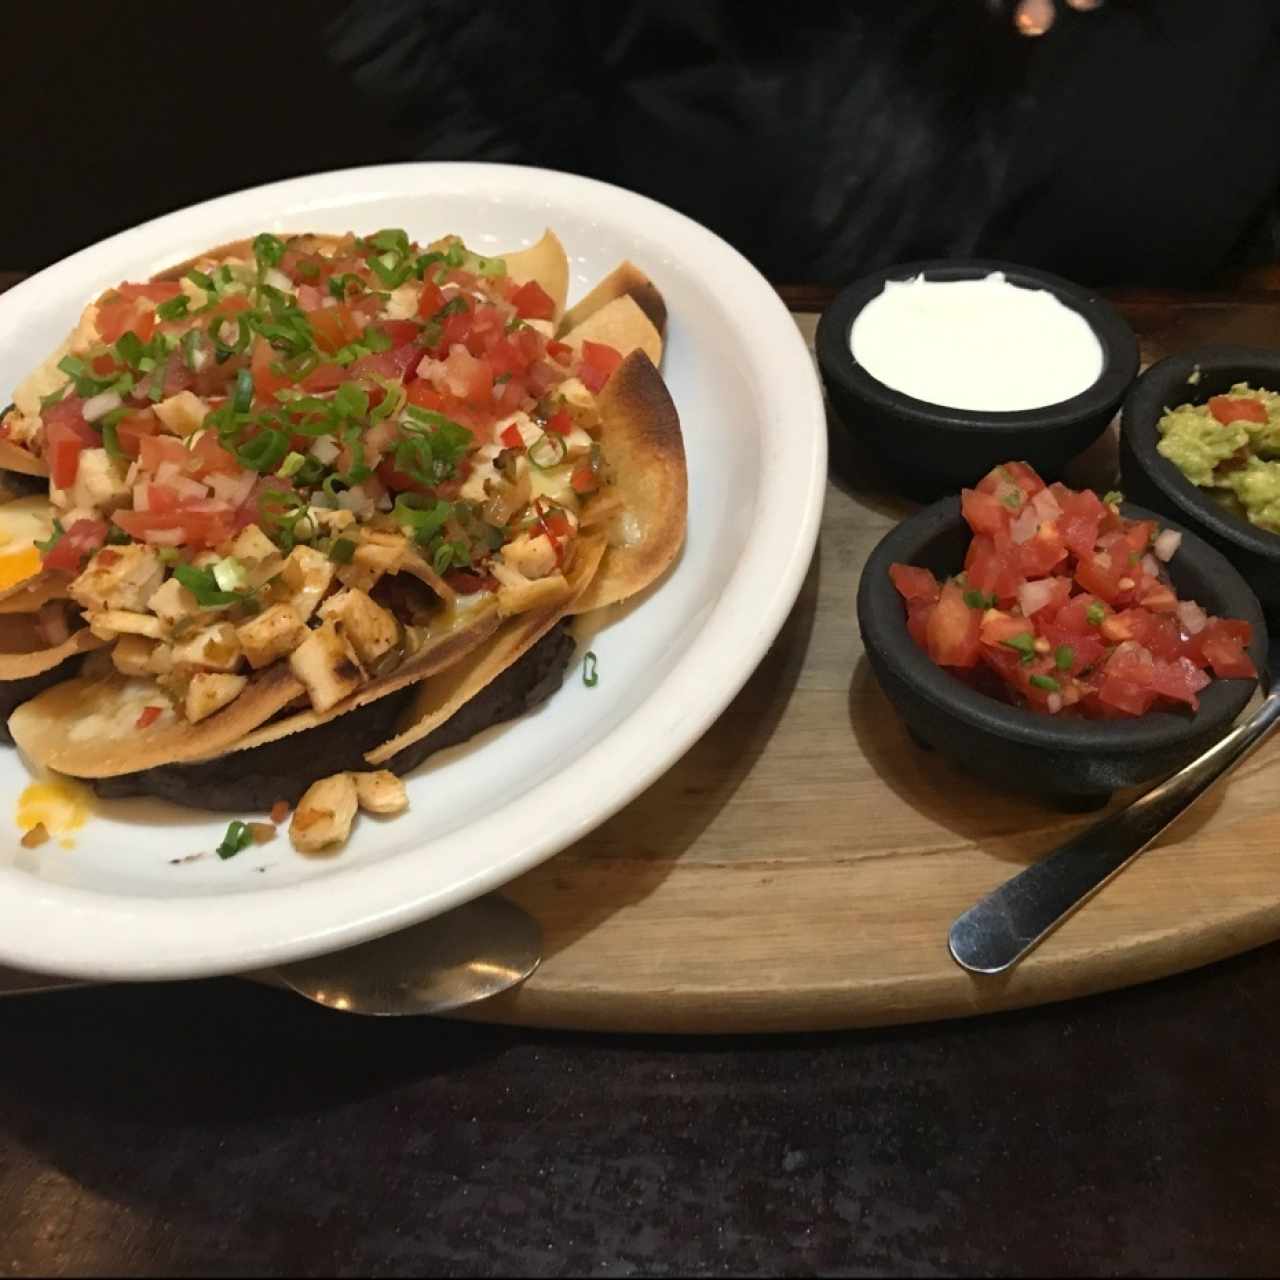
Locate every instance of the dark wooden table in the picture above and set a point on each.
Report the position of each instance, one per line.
(219, 1128)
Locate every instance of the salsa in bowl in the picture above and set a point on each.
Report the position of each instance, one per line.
(1065, 670)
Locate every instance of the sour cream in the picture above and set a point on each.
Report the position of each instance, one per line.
(981, 344)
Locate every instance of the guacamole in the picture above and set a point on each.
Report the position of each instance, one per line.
(1231, 447)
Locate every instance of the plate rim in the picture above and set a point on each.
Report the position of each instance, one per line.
(146, 945)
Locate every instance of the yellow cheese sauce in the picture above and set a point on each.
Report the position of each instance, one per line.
(62, 807)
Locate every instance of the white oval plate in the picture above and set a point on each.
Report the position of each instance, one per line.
(116, 907)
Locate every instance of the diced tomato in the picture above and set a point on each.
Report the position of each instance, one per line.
(305, 268)
(153, 290)
(914, 583)
(1081, 517)
(80, 540)
(584, 479)
(324, 377)
(1179, 681)
(510, 396)
(953, 628)
(1228, 409)
(984, 512)
(533, 302)
(512, 438)
(1011, 476)
(457, 326)
(488, 326)
(507, 355)
(399, 332)
(116, 318)
(1126, 695)
(194, 527)
(560, 422)
(1159, 599)
(103, 365)
(131, 431)
(266, 382)
(66, 436)
(156, 450)
(430, 300)
(1085, 649)
(1138, 536)
(560, 352)
(1042, 553)
(1223, 646)
(469, 378)
(1073, 617)
(389, 365)
(997, 628)
(148, 716)
(556, 523)
(1101, 573)
(991, 566)
(598, 363)
(334, 327)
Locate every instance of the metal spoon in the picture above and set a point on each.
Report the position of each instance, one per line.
(468, 954)
(1009, 922)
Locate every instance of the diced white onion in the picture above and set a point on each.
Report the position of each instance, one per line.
(141, 497)
(104, 402)
(1046, 505)
(232, 489)
(167, 472)
(1150, 566)
(185, 487)
(325, 449)
(1033, 596)
(356, 501)
(1024, 525)
(278, 280)
(163, 537)
(1054, 703)
(1166, 543)
(1192, 617)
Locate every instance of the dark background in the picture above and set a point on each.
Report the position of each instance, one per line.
(118, 112)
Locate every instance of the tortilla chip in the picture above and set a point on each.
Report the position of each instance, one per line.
(88, 727)
(439, 697)
(13, 457)
(640, 432)
(625, 280)
(27, 596)
(442, 651)
(20, 663)
(545, 262)
(622, 325)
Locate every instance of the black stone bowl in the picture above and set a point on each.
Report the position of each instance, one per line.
(1073, 763)
(927, 449)
(1157, 483)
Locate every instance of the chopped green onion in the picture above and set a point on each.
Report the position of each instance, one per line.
(590, 676)
(168, 555)
(264, 451)
(1095, 615)
(1022, 643)
(1013, 499)
(1045, 682)
(237, 839)
(452, 307)
(242, 397)
(72, 366)
(204, 586)
(111, 440)
(201, 281)
(341, 286)
(292, 464)
(193, 349)
(1113, 497)
(342, 551)
(117, 537)
(174, 309)
(130, 348)
(351, 401)
(268, 249)
(491, 267)
(450, 554)
(52, 540)
(548, 451)
(1063, 656)
(54, 397)
(230, 574)
(425, 517)
(977, 600)
(222, 350)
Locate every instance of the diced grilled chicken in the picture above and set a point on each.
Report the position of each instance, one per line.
(260, 556)
(209, 692)
(371, 629)
(172, 602)
(324, 814)
(124, 579)
(517, 594)
(376, 554)
(182, 414)
(107, 624)
(380, 791)
(326, 664)
(272, 634)
(100, 482)
(213, 648)
(131, 655)
(308, 574)
(531, 557)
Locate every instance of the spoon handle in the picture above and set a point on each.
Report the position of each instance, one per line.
(995, 933)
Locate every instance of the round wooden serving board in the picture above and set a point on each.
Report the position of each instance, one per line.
(799, 868)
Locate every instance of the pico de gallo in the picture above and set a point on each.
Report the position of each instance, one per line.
(317, 432)
(1064, 606)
